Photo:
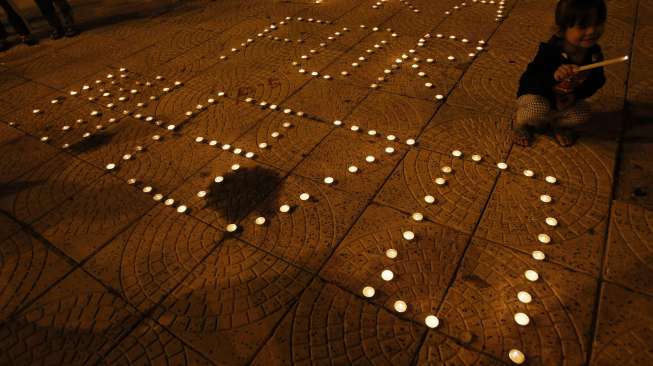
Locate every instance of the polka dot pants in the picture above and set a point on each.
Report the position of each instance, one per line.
(535, 110)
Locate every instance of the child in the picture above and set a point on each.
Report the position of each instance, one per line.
(551, 90)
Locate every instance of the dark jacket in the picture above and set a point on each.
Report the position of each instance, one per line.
(538, 77)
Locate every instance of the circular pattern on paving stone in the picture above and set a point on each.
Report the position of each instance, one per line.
(238, 285)
(480, 306)
(458, 203)
(419, 271)
(80, 327)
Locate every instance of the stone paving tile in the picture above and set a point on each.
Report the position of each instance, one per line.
(232, 302)
(379, 50)
(226, 121)
(85, 127)
(111, 144)
(56, 69)
(586, 166)
(20, 96)
(8, 226)
(515, 216)
(389, 114)
(151, 344)
(149, 259)
(471, 132)
(74, 323)
(423, 269)
(344, 148)
(50, 117)
(311, 230)
(489, 86)
(234, 195)
(327, 100)
(629, 249)
(443, 351)
(623, 328)
(297, 137)
(331, 325)
(93, 216)
(611, 97)
(635, 180)
(21, 153)
(46, 187)
(458, 204)
(441, 74)
(105, 49)
(246, 78)
(27, 269)
(479, 307)
(518, 37)
(408, 23)
(8, 79)
(477, 13)
(166, 164)
(335, 11)
(639, 80)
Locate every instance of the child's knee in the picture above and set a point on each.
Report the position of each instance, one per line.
(532, 110)
(578, 114)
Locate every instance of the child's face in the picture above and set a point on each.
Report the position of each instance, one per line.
(584, 37)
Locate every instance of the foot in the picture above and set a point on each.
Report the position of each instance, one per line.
(522, 136)
(564, 136)
(70, 31)
(29, 40)
(56, 33)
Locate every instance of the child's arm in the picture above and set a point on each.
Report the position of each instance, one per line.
(538, 77)
(591, 85)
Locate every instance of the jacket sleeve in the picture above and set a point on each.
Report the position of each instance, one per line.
(538, 77)
(594, 81)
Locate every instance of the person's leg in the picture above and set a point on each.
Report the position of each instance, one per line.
(3, 38)
(67, 14)
(568, 119)
(18, 23)
(14, 18)
(48, 11)
(532, 112)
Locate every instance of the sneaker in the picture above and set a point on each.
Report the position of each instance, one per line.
(56, 33)
(29, 40)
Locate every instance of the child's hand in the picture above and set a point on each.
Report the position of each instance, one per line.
(565, 71)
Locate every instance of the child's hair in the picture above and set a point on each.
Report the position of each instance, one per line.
(582, 13)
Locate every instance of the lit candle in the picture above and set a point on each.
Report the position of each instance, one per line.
(368, 291)
(516, 356)
(524, 297)
(387, 275)
(538, 255)
(400, 306)
(531, 275)
(432, 321)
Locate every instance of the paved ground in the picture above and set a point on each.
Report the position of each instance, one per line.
(98, 266)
